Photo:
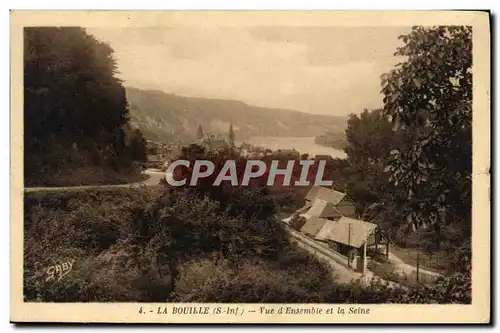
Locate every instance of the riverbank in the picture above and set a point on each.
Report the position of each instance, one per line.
(332, 140)
(305, 145)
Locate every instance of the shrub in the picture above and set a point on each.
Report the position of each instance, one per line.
(251, 281)
(455, 289)
(122, 273)
(136, 245)
(297, 221)
(185, 225)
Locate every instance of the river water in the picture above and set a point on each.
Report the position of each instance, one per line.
(304, 145)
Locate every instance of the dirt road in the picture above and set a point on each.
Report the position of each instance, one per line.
(153, 179)
(401, 266)
(341, 273)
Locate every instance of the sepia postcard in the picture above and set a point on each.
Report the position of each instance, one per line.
(250, 166)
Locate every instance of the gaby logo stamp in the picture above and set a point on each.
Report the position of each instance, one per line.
(57, 272)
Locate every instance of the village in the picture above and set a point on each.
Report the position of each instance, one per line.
(360, 250)
(159, 154)
(326, 223)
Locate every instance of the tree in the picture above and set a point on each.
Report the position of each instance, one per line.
(231, 135)
(137, 146)
(430, 94)
(370, 139)
(199, 132)
(297, 221)
(215, 142)
(332, 139)
(71, 97)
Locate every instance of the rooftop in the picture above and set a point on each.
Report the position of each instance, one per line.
(345, 230)
(324, 209)
(327, 194)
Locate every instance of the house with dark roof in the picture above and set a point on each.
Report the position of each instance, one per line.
(338, 200)
(348, 237)
(330, 220)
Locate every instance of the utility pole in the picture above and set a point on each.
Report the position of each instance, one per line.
(349, 234)
(418, 262)
(349, 256)
(418, 253)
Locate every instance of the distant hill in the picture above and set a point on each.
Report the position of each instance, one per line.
(167, 116)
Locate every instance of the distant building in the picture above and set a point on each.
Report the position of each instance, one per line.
(214, 142)
(323, 158)
(254, 155)
(339, 200)
(173, 154)
(156, 152)
(289, 153)
(252, 152)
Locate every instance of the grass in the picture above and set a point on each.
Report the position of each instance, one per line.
(387, 271)
(438, 262)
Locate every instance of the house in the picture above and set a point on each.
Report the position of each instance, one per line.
(173, 154)
(348, 237)
(326, 203)
(334, 199)
(254, 155)
(331, 220)
(156, 153)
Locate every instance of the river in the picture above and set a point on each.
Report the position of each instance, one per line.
(304, 145)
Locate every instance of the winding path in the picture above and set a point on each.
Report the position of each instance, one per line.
(341, 273)
(153, 180)
(400, 265)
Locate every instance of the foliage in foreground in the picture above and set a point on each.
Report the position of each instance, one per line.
(76, 117)
(139, 246)
(409, 164)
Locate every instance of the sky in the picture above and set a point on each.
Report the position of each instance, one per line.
(320, 70)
